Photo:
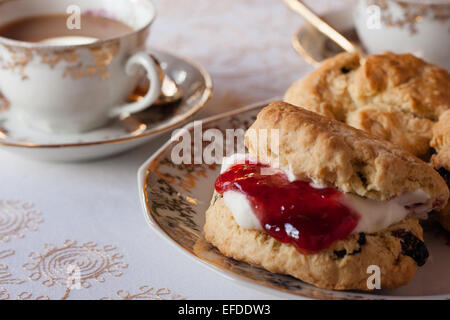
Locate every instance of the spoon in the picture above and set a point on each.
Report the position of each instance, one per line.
(299, 7)
(170, 91)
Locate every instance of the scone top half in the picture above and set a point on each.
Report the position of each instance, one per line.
(331, 153)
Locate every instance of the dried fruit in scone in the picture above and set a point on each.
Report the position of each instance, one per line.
(325, 205)
(397, 97)
(441, 160)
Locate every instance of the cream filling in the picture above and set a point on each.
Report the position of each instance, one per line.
(68, 41)
(242, 210)
(374, 215)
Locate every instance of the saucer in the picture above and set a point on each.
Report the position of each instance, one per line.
(119, 135)
(175, 198)
(315, 47)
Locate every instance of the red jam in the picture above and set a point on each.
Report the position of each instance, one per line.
(291, 212)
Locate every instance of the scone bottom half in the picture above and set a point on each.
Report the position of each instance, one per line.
(322, 242)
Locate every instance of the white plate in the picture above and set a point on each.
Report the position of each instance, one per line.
(175, 199)
(120, 135)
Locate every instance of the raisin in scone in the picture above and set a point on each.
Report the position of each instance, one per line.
(324, 205)
(441, 160)
(397, 97)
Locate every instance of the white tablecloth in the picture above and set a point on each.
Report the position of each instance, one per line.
(52, 215)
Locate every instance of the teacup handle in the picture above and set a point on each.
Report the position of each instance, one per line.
(153, 73)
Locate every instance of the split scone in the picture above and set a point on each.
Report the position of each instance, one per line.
(396, 97)
(441, 160)
(326, 204)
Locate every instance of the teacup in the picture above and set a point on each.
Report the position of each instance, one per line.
(421, 27)
(77, 85)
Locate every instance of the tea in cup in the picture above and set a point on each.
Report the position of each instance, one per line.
(70, 65)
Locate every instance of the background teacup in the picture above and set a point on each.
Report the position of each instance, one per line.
(421, 27)
(77, 84)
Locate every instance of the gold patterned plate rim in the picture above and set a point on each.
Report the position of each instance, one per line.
(274, 284)
(200, 105)
(340, 19)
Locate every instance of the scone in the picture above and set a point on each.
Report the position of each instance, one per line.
(325, 205)
(397, 97)
(441, 160)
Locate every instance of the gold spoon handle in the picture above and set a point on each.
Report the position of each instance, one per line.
(299, 7)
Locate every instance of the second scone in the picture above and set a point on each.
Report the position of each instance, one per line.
(396, 97)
